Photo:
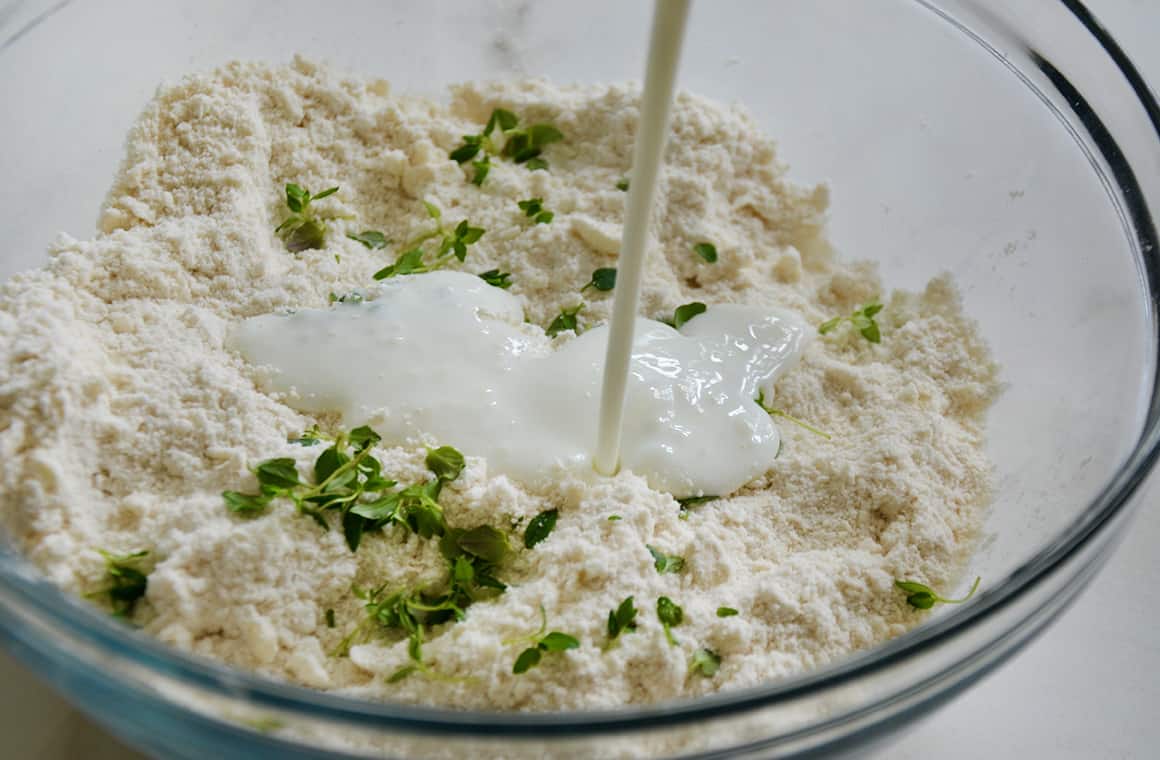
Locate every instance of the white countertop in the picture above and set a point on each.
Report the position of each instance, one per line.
(1088, 688)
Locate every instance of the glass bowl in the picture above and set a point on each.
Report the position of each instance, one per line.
(1015, 147)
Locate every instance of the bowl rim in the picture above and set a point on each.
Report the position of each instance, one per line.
(34, 592)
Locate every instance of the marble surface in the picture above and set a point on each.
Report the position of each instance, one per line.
(1087, 688)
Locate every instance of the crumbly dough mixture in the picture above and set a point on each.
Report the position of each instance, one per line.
(124, 415)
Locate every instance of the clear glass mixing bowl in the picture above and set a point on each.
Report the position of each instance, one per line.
(1013, 146)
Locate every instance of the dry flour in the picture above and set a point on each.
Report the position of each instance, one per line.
(123, 415)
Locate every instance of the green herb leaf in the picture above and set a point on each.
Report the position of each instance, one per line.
(303, 229)
(372, 239)
(558, 642)
(622, 619)
(614, 518)
(692, 501)
(724, 612)
(540, 526)
(432, 210)
(671, 615)
(497, 278)
(862, 320)
(446, 462)
(706, 251)
(533, 208)
(403, 673)
(706, 662)
(565, 320)
(603, 279)
(324, 193)
(472, 144)
(665, 563)
(529, 658)
(409, 262)
(484, 542)
(482, 167)
(308, 235)
(535, 164)
(683, 314)
(329, 618)
(127, 581)
(622, 185)
(923, 597)
(246, 503)
(278, 473)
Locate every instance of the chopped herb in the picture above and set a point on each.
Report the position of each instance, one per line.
(862, 320)
(522, 145)
(706, 662)
(533, 208)
(772, 412)
(565, 320)
(453, 241)
(602, 279)
(303, 229)
(352, 297)
(622, 184)
(329, 618)
(446, 462)
(622, 619)
(922, 597)
(683, 314)
(665, 563)
(348, 479)
(614, 518)
(670, 614)
(539, 528)
(497, 278)
(541, 643)
(692, 501)
(372, 239)
(724, 612)
(127, 581)
(706, 251)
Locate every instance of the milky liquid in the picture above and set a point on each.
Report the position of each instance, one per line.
(664, 54)
(445, 358)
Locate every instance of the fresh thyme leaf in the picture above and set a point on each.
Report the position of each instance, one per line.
(862, 320)
(706, 662)
(622, 619)
(409, 262)
(603, 279)
(670, 614)
(402, 673)
(529, 658)
(541, 643)
(484, 542)
(127, 581)
(482, 167)
(706, 251)
(303, 229)
(446, 462)
(540, 527)
(773, 412)
(622, 184)
(683, 314)
(308, 235)
(724, 612)
(533, 208)
(246, 503)
(665, 563)
(923, 597)
(614, 518)
(432, 210)
(278, 473)
(558, 642)
(497, 278)
(521, 145)
(329, 618)
(565, 320)
(372, 239)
